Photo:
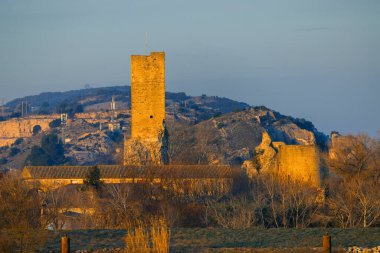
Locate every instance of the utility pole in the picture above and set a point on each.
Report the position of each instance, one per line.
(113, 108)
(64, 118)
(26, 109)
(146, 43)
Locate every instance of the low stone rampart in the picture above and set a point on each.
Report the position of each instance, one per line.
(23, 127)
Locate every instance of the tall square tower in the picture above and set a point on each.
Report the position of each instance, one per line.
(147, 94)
(149, 138)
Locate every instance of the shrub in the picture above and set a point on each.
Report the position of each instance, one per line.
(93, 178)
(18, 141)
(193, 215)
(14, 151)
(123, 116)
(220, 125)
(69, 108)
(116, 136)
(55, 123)
(3, 148)
(3, 160)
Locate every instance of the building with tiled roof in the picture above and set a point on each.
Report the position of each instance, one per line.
(202, 177)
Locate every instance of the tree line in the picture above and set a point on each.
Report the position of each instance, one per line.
(350, 199)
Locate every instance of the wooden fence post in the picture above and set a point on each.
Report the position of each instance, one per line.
(65, 244)
(326, 243)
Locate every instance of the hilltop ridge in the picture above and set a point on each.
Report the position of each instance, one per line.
(98, 99)
(202, 129)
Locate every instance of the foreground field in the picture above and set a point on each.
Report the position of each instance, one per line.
(228, 240)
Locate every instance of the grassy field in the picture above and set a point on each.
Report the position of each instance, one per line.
(228, 240)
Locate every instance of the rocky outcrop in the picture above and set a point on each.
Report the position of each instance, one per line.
(290, 133)
(139, 151)
(265, 154)
(89, 147)
(234, 137)
(250, 168)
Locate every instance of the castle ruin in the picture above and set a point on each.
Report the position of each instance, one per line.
(295, 162)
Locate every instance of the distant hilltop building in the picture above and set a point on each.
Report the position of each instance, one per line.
(149, 140)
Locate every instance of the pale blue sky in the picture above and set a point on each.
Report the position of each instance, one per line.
(314, 59)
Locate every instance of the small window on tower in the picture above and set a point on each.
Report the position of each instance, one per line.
(151, 116)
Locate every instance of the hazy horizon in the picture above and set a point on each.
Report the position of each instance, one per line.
(314, 60)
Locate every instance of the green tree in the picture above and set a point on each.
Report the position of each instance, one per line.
(55, 123)
(69, 108)
(38, 157)
(53, 147)
(14, 151)
(51, 152)
(93, 178)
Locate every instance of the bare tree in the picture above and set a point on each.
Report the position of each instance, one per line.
(355, 155)
(237, 213)
(121, 202)
(20, 226)
(53, 202)
(355, 162)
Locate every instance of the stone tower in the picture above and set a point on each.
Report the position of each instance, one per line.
(149, 138)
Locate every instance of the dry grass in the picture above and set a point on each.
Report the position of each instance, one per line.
(231, 240)
(160, 237)
(144, 240)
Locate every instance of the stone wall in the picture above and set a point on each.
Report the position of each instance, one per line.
(7, 141)
(301, 162)
(297, 162)
(99, 115)
(23, 127)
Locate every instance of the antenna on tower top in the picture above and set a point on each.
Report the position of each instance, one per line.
(3, 107)
(146, 43)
